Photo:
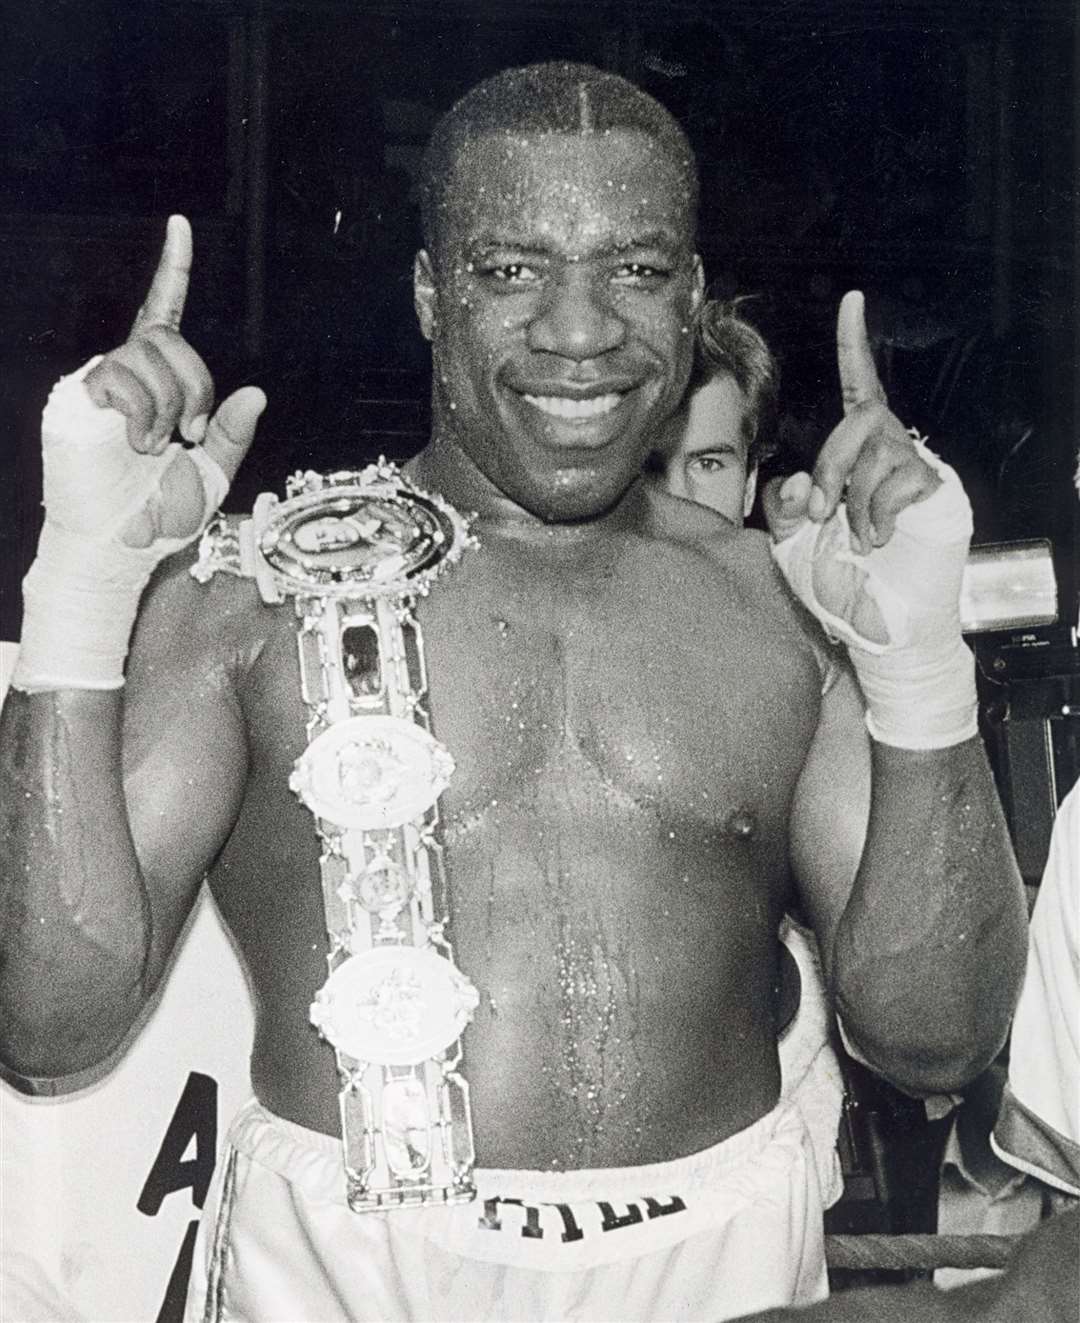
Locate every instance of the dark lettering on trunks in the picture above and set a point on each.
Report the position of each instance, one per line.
(584, 1218)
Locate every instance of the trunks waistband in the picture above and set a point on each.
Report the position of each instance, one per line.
(312, 1160)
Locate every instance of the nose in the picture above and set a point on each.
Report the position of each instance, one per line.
(575, 319)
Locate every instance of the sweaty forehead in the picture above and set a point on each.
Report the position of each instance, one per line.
(570, 192)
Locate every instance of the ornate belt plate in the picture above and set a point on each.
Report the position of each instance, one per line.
(355, 550)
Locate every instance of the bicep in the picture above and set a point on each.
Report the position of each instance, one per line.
(831, 810)
(185, 754)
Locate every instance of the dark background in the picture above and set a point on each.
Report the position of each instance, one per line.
(923, 150)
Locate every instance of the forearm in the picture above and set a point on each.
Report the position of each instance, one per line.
(75, 931)
(929, 953)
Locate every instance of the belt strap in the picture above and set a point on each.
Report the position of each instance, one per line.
(355, 550)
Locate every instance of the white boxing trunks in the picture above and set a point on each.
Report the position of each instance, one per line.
(809, 1070)
(731, 1230)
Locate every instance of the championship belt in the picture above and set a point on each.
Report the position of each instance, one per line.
(355, 550)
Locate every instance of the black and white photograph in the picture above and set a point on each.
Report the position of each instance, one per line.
(539, 661)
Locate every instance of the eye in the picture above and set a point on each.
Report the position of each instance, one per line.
(716, 461)
(639, 275)
(512, 273)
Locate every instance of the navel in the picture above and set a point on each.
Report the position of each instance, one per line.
(741, 824)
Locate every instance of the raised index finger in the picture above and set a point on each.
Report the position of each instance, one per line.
(164, 303)
(859, 382)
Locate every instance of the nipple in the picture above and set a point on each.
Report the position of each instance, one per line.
(740, 823)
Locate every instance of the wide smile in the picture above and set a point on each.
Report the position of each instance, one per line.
(583, 419)
(572, 410)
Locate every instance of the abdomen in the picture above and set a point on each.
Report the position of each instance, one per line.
(625, 966)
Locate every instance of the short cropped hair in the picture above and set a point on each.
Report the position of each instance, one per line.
(555, 97)
(726, 343)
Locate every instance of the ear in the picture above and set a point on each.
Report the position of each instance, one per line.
(749, 492)
(697, 292)
(424, 293)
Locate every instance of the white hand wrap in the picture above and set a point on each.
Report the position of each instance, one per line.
(919, 686)
(82, 591)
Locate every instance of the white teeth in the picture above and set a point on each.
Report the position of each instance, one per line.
(558, 406)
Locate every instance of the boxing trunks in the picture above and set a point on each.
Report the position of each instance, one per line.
(733, 1229)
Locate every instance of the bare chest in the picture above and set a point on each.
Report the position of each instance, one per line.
(627, 733)
(649, 684)
(645, 686)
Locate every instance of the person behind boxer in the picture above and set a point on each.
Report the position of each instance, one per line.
(644, 761)
(711, 447)
(1038, 1125)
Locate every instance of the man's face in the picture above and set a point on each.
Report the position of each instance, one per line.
(558, 305)
(706, 450)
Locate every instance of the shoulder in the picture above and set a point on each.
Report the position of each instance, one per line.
(743, 556)
(186, 620)
(702, 532)
(680, 521)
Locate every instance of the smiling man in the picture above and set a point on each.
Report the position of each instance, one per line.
(557, 399)
(614, 702)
